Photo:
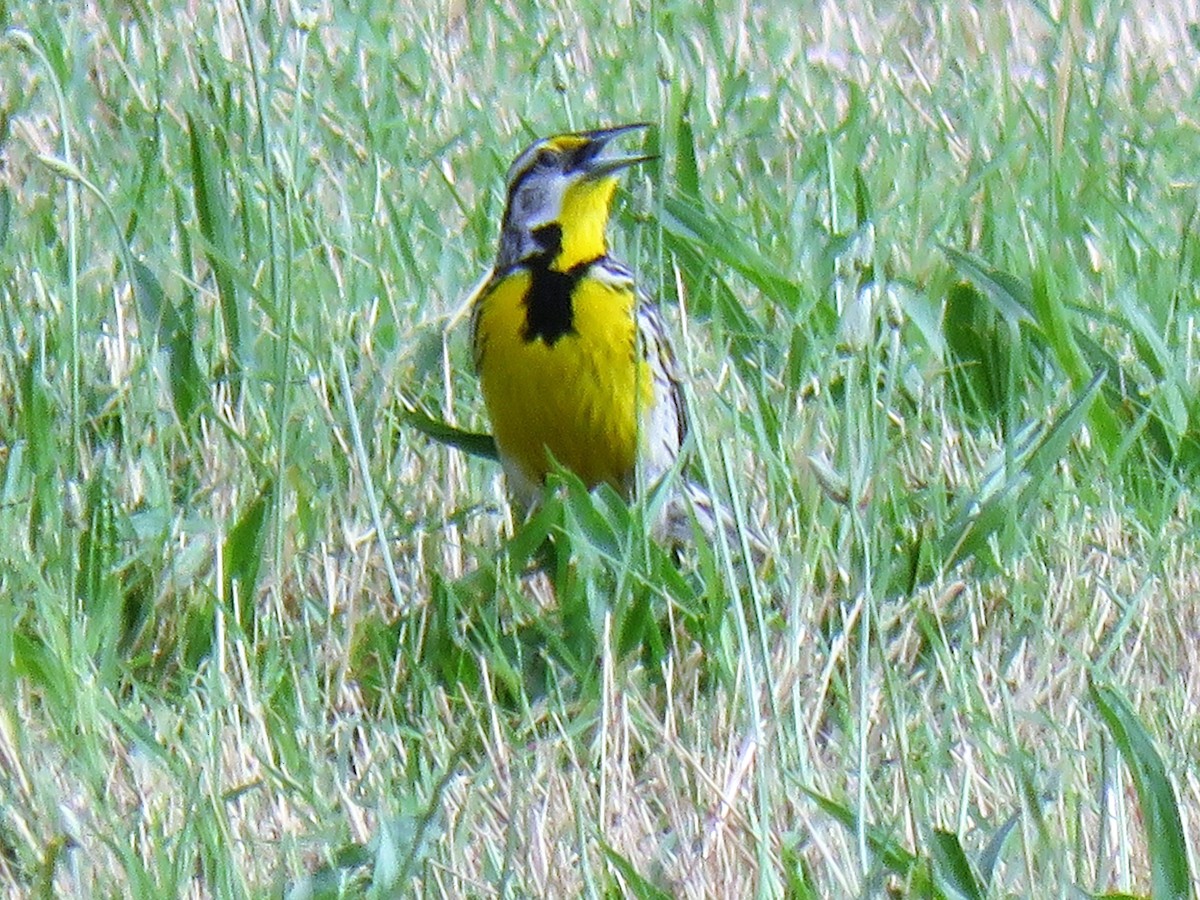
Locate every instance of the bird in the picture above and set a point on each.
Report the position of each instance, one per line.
(573, 359)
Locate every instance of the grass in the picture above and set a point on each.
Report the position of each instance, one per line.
(932, 275)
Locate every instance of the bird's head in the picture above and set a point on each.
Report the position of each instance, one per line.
(559, 196)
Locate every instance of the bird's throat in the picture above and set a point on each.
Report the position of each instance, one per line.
(585, 210)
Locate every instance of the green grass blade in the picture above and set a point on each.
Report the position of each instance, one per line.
(863, 210)
(1013, 480)
(1039, 306)
(687, 168)
(1009, 294)
(980, 347)
(335, 879)
(97, 584)
(636, 883)
(1051, 449)
(1160, 361)
(1169, 871)
(5, 213)
(888, 850)
(685, 219)
(991, 853)
(243, 551)
(951, 867)
(1054, 319)
(216, 224)
(469, 442)
(176, 334)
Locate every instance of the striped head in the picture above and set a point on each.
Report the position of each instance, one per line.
(559, 197)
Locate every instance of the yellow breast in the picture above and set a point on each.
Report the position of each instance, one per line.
(578, 397)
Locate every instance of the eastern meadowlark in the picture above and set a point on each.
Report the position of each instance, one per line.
(573, 359)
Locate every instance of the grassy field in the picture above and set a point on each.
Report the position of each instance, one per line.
(932, 273)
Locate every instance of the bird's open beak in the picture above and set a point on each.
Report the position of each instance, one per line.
(603, 159)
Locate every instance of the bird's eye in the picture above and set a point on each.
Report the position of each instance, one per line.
(544, 158)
